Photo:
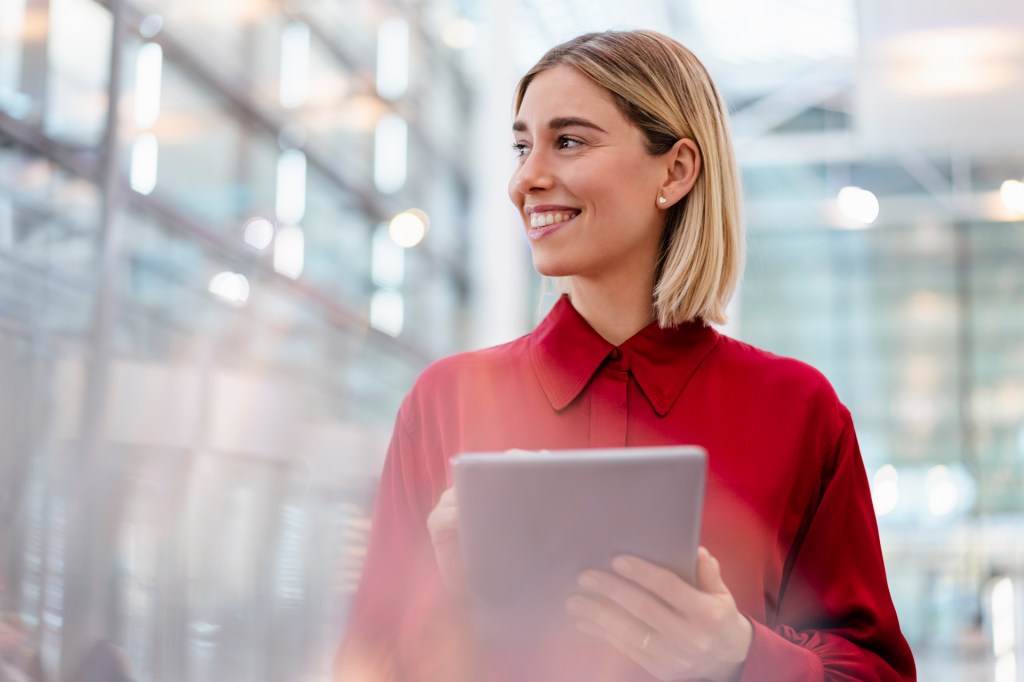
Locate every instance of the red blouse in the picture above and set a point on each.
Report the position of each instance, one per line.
(788, 510)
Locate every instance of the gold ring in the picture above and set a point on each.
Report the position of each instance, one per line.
(647, 640)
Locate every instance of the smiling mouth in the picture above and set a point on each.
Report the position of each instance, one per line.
(539, 220)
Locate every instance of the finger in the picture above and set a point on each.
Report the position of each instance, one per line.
(443, 517)
(651, 611)
(443, 523)
(648, 657)
(630, 612)
(609, 617)
(445, 503)
(709, 573)
(629, 634)
(447, 497)
(660, 581)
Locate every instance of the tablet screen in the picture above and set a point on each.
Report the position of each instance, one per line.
(531, 522)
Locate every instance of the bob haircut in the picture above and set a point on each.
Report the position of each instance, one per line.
(664, 90)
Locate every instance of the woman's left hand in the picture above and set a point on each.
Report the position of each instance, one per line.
(675, 630)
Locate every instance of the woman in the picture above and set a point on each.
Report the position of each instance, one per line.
(628, 190)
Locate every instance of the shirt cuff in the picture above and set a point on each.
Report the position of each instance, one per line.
(773, 657)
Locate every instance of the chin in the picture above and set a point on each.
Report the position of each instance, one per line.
(549, 267)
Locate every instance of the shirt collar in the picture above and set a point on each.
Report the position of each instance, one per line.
(566, 352)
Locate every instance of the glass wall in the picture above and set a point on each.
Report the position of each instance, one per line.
(196, 390)
(920, 329)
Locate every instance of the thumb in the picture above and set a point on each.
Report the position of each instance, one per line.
(709, 575)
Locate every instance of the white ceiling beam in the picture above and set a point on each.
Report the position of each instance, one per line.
(790, 100)
(896, 209)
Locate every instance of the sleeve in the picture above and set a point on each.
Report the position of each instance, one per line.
(835, 619)
(403, 626)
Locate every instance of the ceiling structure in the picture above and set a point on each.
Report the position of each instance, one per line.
(919, 101)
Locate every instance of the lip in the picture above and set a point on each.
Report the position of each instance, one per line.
(535, 233)
(540, 232)
(548, 208)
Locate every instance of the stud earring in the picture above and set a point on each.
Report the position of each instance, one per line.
(662, 200)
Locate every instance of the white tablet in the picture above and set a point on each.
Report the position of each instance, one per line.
(531, 522)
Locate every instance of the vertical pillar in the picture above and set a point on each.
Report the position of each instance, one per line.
(34, 73)
(961, 190)
(96, 489)
(500, 304)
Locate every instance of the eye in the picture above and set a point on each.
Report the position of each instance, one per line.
(568, 142)
(519, 149)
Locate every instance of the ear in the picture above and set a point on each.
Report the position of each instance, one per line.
(683, 164)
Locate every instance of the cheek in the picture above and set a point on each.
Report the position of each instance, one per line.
(621, 196)
(615, 187)
(513, 194)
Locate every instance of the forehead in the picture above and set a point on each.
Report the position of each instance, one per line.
(566, 91)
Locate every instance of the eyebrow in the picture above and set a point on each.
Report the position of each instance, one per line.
(562, 122)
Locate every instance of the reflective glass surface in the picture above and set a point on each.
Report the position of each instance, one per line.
(194, 400)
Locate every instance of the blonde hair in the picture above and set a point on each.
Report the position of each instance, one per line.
(663, 89)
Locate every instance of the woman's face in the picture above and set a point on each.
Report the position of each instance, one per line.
(586, 188)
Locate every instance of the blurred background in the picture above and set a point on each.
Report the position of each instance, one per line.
(232, 232)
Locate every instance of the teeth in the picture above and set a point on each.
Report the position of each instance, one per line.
(545, 219)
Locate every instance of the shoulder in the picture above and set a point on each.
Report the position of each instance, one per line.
(448, 379)
(787, 397)
(779, 379)
(450, 371)
(458, 385)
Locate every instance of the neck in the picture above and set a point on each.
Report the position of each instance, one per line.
(615, 312)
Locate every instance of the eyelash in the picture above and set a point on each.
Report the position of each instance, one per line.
(521, 149)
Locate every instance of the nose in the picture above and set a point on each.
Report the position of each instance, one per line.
(533, 174)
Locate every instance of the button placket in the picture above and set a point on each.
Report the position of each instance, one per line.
(608, 402)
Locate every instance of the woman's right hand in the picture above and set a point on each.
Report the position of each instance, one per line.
(443, 525)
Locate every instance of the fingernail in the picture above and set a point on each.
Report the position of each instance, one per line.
(588, 582)
(622, 565)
